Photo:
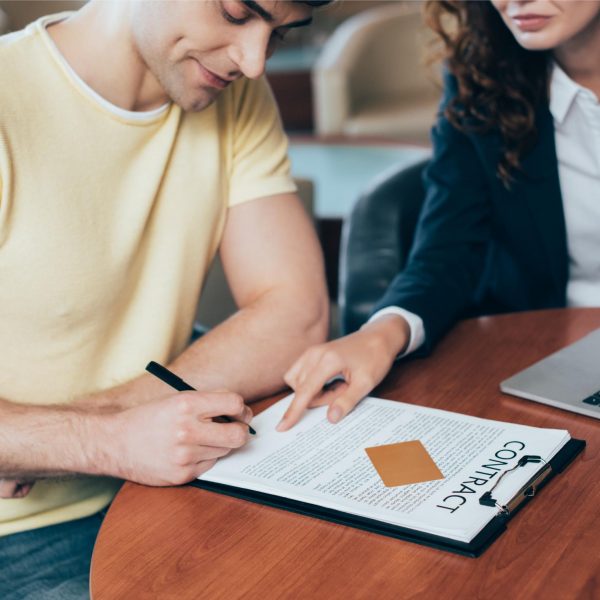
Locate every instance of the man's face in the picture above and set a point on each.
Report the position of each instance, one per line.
(548, 24)
(196, 48)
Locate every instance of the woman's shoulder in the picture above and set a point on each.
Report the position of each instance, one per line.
(449, 85)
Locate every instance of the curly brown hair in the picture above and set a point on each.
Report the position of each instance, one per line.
(500, 84)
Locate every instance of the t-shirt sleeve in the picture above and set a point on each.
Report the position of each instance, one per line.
(260, 165)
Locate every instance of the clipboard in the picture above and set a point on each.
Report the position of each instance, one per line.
(483, 540)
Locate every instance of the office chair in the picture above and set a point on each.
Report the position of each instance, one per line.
(376, 241)
(369, 81)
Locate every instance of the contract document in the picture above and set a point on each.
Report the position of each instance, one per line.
(325, 465)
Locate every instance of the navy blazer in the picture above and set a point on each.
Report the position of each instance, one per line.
(479, 247)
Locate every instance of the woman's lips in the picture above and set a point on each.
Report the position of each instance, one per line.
(530, 22)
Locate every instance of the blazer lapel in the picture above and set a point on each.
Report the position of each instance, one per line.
(539, 187)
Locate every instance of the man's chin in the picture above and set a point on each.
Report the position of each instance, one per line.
(197, 102)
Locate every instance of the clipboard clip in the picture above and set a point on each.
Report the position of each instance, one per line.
(527, 491)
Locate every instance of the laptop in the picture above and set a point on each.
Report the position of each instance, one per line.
(568, 379)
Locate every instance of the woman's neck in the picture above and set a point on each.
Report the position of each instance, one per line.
(580, 57)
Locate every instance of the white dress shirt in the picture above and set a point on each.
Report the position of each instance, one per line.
(576, 114)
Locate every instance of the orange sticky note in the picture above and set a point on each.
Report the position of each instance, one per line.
(403, 463)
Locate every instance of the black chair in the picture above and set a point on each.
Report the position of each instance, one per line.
(376, 241)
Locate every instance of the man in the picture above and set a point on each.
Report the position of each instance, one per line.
(136, 139)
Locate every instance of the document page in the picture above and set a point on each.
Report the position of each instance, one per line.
(327, 465)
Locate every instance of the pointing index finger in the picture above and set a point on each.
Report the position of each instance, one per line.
(305, 394)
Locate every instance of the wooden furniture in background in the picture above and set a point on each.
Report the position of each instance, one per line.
(189, 543)
(370, 77)
(289, 72)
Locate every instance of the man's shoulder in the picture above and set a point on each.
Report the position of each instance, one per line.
(15, 43)
(17, 57)
(243, 102)
(23, 68)
(248, 100)
(235, 94)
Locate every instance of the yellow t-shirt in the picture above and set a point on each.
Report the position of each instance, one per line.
(108, 222)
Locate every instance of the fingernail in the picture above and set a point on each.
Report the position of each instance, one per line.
(335, 414)
(281, 425)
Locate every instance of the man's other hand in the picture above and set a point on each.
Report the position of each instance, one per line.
(15, 488)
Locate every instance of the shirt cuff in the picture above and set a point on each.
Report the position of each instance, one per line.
(415, 325)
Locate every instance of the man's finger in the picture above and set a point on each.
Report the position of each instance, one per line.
(202, 453)
(23, 488)
(247, 415)
(207, 433)
(7, 488)
(14, 488)
(204, 466)
(206, 405)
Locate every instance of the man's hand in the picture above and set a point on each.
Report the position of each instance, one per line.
(362, 359)
(171, 441)
(14, 488)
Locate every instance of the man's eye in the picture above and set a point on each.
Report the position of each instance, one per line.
(231, 18)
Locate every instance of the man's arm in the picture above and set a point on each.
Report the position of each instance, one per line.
(274, 266)
(166, 442)
(273, 262)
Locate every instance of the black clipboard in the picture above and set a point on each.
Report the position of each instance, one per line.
(474, 548)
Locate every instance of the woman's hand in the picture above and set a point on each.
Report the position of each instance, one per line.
(362, 359)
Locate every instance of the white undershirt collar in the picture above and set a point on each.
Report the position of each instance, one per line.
(130, 115)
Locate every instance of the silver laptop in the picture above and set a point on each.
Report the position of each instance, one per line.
(568, 379)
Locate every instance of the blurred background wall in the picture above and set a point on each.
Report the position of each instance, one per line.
(22, 12)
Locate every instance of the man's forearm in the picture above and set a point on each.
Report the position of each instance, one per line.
(168, 442)
(141, 390)
(249, 353)
(40, 441)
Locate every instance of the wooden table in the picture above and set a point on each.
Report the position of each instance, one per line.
(190, 543)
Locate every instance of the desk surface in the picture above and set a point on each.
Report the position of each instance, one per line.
(190, 543)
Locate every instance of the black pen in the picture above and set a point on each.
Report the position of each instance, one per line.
(180, 385)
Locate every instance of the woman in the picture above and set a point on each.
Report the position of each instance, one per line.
(511, 219)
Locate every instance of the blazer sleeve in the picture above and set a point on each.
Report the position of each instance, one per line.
(447, 258)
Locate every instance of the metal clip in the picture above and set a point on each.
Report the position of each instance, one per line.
(527, 491)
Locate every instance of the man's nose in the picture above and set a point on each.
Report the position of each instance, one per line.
(250, 53)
